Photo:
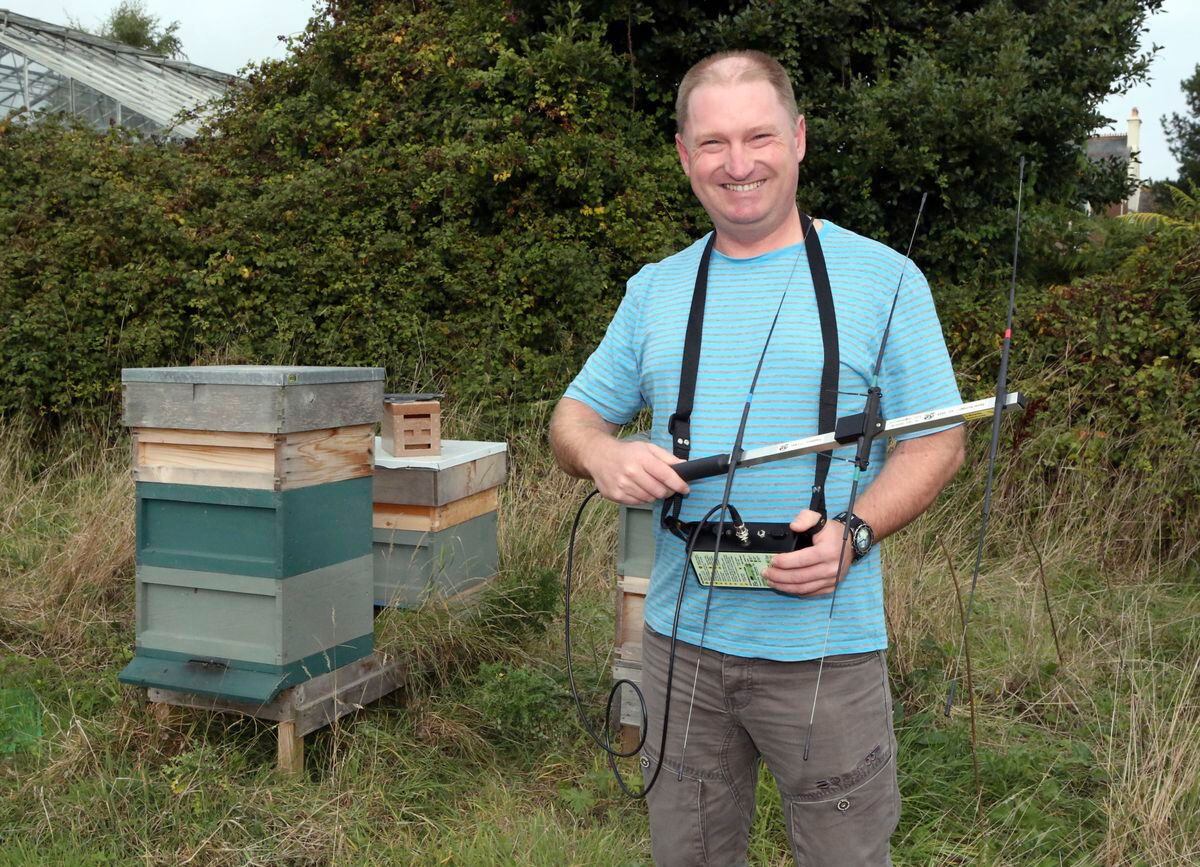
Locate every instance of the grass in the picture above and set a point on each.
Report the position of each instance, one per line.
(1094, 759)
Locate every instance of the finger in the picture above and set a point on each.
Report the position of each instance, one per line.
(805, 588)
(805, 520)
(647, 481)
(663, 455)
(794, 577)
(801, 559)
(622, 495)
(664, 475)
(626, 490)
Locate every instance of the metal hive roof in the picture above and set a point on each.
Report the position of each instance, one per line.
(148, 83)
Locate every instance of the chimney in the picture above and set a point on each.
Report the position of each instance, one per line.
(1133, 140)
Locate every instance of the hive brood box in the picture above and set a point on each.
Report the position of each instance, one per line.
(253, 524)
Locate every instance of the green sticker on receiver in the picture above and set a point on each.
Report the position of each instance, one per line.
(738, 569)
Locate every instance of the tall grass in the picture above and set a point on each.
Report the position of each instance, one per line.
(1094, 760)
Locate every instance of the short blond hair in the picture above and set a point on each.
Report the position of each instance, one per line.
(754, 66)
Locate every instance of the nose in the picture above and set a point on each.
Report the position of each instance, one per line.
(738, 162)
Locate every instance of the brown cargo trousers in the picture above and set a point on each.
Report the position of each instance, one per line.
(841, 806)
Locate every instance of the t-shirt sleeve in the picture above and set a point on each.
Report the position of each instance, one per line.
(610, 381)
(916, 375)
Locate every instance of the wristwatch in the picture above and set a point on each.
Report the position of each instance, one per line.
(862, 537)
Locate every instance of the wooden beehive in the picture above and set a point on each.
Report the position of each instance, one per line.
(462, 469)
(271, 534)
(635, 563)
(243, 636)
(412, 425)
(413, 567)
(251, 398)
(635, 540)
(631, 605)
(254, 548)
(435, 521)
(431, 519)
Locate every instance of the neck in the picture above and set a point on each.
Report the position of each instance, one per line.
(743, 245)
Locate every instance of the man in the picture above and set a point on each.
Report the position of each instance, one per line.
(740, 141)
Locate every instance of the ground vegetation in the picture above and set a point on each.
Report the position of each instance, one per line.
(457, 193)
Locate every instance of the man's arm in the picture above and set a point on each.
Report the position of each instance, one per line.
(586, 447)
(912, 477)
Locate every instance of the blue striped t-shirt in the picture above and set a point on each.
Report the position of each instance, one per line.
(637, 364)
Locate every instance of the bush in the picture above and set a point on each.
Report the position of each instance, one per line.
(99, 238)
(1110, 360)
(414, 188)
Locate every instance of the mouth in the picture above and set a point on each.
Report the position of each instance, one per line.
(743, 188)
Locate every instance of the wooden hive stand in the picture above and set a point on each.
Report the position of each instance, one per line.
(303, 708)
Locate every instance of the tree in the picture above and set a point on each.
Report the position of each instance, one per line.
(458, 192)
(905, 96)
(131, 23)
(1183, 132)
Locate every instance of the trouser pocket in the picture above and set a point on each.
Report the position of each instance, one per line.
(849, 821)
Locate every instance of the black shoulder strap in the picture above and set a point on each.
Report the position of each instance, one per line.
(827, 401)
(680, 423)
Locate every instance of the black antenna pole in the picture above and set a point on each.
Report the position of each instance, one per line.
(1001, 389)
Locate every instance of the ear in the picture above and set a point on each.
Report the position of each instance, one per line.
(801, 133)
(684, 157)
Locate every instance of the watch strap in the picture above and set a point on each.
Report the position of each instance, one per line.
(855, 524)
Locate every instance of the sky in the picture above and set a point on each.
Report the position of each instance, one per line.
(1176, 28)
(221, 34)
(227, 34)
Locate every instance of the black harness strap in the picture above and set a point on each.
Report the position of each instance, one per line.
(680, 423)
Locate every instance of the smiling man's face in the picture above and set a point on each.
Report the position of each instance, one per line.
(742, 151)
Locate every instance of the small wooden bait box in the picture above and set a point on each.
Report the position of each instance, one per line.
(412, 424)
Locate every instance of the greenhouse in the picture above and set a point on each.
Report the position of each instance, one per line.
(48, 68)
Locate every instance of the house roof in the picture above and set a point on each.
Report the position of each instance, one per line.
(147, 83)
(1103, 146)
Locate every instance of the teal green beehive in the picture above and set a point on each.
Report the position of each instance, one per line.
(635, 540)
(272, 534)
(412, 567)
(242, 591)
(244, 636)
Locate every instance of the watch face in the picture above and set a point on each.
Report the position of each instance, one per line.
(862, 540)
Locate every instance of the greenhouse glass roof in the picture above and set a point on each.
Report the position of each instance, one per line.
(49, 68)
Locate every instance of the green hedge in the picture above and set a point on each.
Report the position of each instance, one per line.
(458, 192)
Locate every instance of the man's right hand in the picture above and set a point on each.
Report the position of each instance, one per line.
(633, 472)
(625, 472)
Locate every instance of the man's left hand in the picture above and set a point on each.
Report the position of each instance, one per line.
(811, 571)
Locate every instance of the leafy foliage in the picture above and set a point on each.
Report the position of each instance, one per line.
(458, 192)
(906, 96)
(131, 23)
(519, 705)
(420, 189)
(1183, 131)
(94, 264)
(1111, 356)
(481, 201)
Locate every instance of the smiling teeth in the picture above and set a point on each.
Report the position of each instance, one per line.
(743, 188)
